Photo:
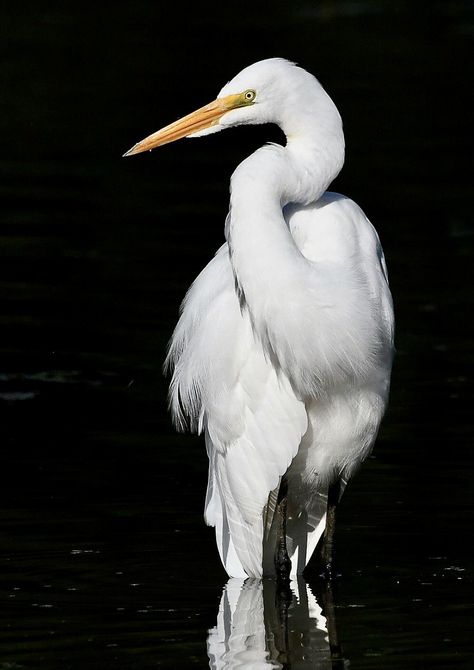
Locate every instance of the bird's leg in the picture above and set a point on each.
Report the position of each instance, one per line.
(282, 561)
(327, 549)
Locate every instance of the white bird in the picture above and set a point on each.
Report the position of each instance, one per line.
(283, 351)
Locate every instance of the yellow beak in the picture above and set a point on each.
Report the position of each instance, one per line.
(201, 119)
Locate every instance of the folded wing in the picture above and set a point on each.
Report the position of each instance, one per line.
(225, 386)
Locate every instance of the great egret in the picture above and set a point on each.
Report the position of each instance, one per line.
(283, 351)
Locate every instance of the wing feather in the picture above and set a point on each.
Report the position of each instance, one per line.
(253, 421)
(262, 423)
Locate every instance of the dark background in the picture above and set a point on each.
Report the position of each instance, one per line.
(105, 561)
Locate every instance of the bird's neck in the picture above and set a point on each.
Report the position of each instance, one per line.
(263, 253)
(277, 286)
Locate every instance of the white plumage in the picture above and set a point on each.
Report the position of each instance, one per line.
(283, 351)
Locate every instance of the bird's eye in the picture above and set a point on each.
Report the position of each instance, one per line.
(249, 96)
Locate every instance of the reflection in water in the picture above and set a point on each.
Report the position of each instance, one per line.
(260, 625)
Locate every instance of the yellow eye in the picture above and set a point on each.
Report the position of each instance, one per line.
(249, 95)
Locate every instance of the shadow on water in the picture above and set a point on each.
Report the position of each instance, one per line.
(264, 625)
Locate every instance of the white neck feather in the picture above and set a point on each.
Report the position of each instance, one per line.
(272, 275)
(263, 252)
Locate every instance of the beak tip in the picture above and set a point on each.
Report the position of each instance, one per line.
(128, 153)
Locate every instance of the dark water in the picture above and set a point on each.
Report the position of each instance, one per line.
(105, 561)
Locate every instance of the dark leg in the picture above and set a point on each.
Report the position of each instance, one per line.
(283, 593)
(282, 561)
(327, 549)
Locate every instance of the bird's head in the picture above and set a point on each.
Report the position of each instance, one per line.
(265, 92)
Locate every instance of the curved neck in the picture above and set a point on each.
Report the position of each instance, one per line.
(268, 267)
(313, 156)
(262, 248)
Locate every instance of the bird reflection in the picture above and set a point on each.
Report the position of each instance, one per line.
(262, 624)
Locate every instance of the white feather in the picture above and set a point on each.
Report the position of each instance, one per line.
(283, 350)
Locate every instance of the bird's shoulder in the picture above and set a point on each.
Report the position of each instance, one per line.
(333, 229)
